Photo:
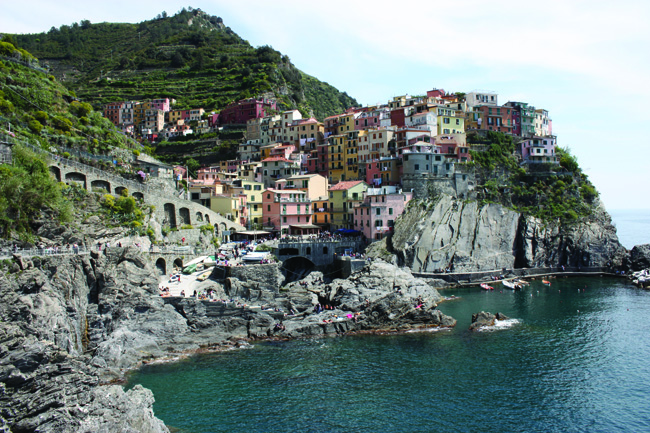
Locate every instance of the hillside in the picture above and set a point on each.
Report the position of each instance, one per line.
(191, 56)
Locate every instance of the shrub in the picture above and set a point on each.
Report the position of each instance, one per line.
(186, 227)
(35, 126)
(207, 228)
(136, 152)
(263, 248)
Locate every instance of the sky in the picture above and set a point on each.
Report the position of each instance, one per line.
(586, 62)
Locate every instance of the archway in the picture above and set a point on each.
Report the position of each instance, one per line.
(78, 178)
(138, 195)
(178, 263)
(161, 265)
(296, 268)
(119, 190)
(56, 172)
(184, 213)
(100, 184)
(170, 215)
(207, 218)
(199, 217)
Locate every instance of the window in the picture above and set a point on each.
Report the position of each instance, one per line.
(324, 250)
(247, 187)
(390, 211)
(255, 207)
(417, 166)
(445, 120)
(257, 187)
(284, 219)
(268, 208)
(378, 212)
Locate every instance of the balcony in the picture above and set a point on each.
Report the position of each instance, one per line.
(291, 200)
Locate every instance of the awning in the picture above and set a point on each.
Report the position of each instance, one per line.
(304, 226)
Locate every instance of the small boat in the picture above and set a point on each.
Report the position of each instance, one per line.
(204, 276)
(547, 282)
(511, 285)
(521, 282)
(485, 286)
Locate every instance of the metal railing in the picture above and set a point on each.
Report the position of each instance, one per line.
(43, 252)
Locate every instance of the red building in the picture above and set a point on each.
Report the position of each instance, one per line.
(242, 111)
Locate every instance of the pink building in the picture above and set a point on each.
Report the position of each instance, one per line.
(375, 216)
(539, 150)
(161, 104)
(287, 212)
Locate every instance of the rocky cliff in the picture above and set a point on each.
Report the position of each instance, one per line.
(466, 237)
(71, 325)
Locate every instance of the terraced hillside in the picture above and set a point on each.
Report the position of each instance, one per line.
(191, 56)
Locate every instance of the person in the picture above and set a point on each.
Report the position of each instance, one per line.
(183, 293)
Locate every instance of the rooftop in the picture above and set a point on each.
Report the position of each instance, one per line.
(346, 184)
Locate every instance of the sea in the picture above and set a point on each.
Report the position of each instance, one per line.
(572, 357)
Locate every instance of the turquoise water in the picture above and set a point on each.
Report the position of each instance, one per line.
(576, 361)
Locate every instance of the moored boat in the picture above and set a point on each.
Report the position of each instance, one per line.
(547, 282)
(511, 285)
(485, 286)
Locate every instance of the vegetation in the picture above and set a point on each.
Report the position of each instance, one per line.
(546, 191)
(191, 56)
(26, 190)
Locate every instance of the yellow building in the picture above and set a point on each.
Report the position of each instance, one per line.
(450, 121)
(253, 192)
(344, 196)
(335, 152)
(351, 155)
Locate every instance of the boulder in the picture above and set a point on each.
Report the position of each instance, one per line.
(484, 319)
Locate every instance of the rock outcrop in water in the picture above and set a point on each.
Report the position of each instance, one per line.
(484, 320)
(72, 324)
(466, 237)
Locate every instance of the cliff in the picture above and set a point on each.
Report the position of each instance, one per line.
(72, 325)
(467, 237)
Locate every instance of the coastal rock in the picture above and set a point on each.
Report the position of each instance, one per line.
(466, 237)
(484, 319)
(639, 258)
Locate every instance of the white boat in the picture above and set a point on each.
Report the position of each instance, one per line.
(511, 285)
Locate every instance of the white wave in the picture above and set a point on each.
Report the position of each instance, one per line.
(499, 325)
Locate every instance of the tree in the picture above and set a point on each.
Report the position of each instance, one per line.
(192, 166)
(85, 24)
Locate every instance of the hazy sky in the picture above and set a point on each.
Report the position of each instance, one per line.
(587, 62)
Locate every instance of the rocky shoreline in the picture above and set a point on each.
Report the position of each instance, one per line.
(72, 326)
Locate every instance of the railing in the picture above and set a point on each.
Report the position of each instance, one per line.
(42, 252)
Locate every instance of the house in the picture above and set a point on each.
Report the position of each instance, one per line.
(375, 216)
(539, 150)
(274, 168)
(232, 207)
(476, 98)
(287, 212)
(342, 198)
(253, 191)
(242, 111)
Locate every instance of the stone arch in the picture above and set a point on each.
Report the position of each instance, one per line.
(207, 218)
(78, 178)
(223, 226)
(56, 172)
(178, 263)
(184, 214)
(161, 265)
(119, 189)
(296, 268)
(170, 214)
(138, 195)
(199, 217)
(102, 184)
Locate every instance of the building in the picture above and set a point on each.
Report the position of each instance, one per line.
(476, 98)
(242, 111)
(539, 150)
(344, 196)
(274, 168)
(375, 216)
(287, 212)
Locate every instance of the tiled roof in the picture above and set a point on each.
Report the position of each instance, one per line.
(275, 158)
(347, 184)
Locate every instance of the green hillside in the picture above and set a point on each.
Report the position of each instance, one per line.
(191, 56)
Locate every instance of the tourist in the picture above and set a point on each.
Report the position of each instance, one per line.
(183, 293)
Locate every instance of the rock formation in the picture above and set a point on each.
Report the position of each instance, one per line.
(70, 325)
(466, 237)
(483, 319)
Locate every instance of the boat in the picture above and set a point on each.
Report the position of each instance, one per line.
(189, 269)
(486, 286)
(204, 276)
(511, 285)
(521, 282)
(547, 282)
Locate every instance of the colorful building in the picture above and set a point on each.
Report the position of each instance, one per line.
(343, 197)
(375, 216)
(287, 212)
